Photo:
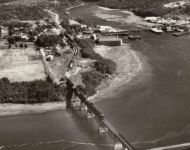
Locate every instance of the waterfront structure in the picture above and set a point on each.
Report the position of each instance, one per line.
(109, 41)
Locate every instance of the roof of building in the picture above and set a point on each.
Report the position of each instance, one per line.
(109, 38)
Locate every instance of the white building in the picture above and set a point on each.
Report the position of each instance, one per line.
(3, 32)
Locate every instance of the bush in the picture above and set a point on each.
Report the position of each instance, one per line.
(48, 40)
(85, 43)
(102, 65)
(187, 9)
(91, 80)
(105, 66)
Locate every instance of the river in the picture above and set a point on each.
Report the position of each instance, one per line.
(152, 110)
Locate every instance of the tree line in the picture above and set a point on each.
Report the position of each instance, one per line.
(102, 67)
(140, 7)
(38, 91)
(21, 12)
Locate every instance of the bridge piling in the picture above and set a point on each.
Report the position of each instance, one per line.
(92, 112)
(102, 128)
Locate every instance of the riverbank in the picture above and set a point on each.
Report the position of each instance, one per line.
(24, 109)
(120, 17)
(128, 66)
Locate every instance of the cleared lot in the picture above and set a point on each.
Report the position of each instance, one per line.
(21, 65)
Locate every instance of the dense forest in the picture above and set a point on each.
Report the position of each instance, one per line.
(140, 7)
(49, 40)
(28, 92)
(21, 12)
(5, 1)
(34, 11)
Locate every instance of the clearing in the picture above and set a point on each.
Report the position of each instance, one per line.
(21, 64)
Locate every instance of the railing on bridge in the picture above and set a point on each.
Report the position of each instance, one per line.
(92, 112)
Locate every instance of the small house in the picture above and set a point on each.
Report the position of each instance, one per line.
(49, 57)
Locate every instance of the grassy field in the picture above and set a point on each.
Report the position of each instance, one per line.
(21, 65)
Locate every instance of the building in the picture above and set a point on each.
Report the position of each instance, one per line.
(52, 31)
(109, 41)
(3, 32)
(17, 34)
(49, 57)
(106, 29)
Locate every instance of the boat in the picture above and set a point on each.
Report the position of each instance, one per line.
(132, 37)
(180, 33)
(156, 30)
(138, 37)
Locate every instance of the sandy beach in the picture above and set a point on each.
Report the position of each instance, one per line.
(23, 109)
(128, 66)
(120, 16)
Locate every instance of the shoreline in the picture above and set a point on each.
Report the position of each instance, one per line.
(9, 109)
(128, 66)
(126, 70)
(82, 4)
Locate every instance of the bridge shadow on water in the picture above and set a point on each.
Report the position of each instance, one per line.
(90, 128)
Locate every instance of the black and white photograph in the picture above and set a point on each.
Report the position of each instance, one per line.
(94, 74)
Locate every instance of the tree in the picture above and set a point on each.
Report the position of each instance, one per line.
(48, 40)
(21, 45)
(11, 40)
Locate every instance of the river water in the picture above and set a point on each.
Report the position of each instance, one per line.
(152, 110)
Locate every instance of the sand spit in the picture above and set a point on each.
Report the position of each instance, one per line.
(23, 109)
(122, 16)
(128, 65)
